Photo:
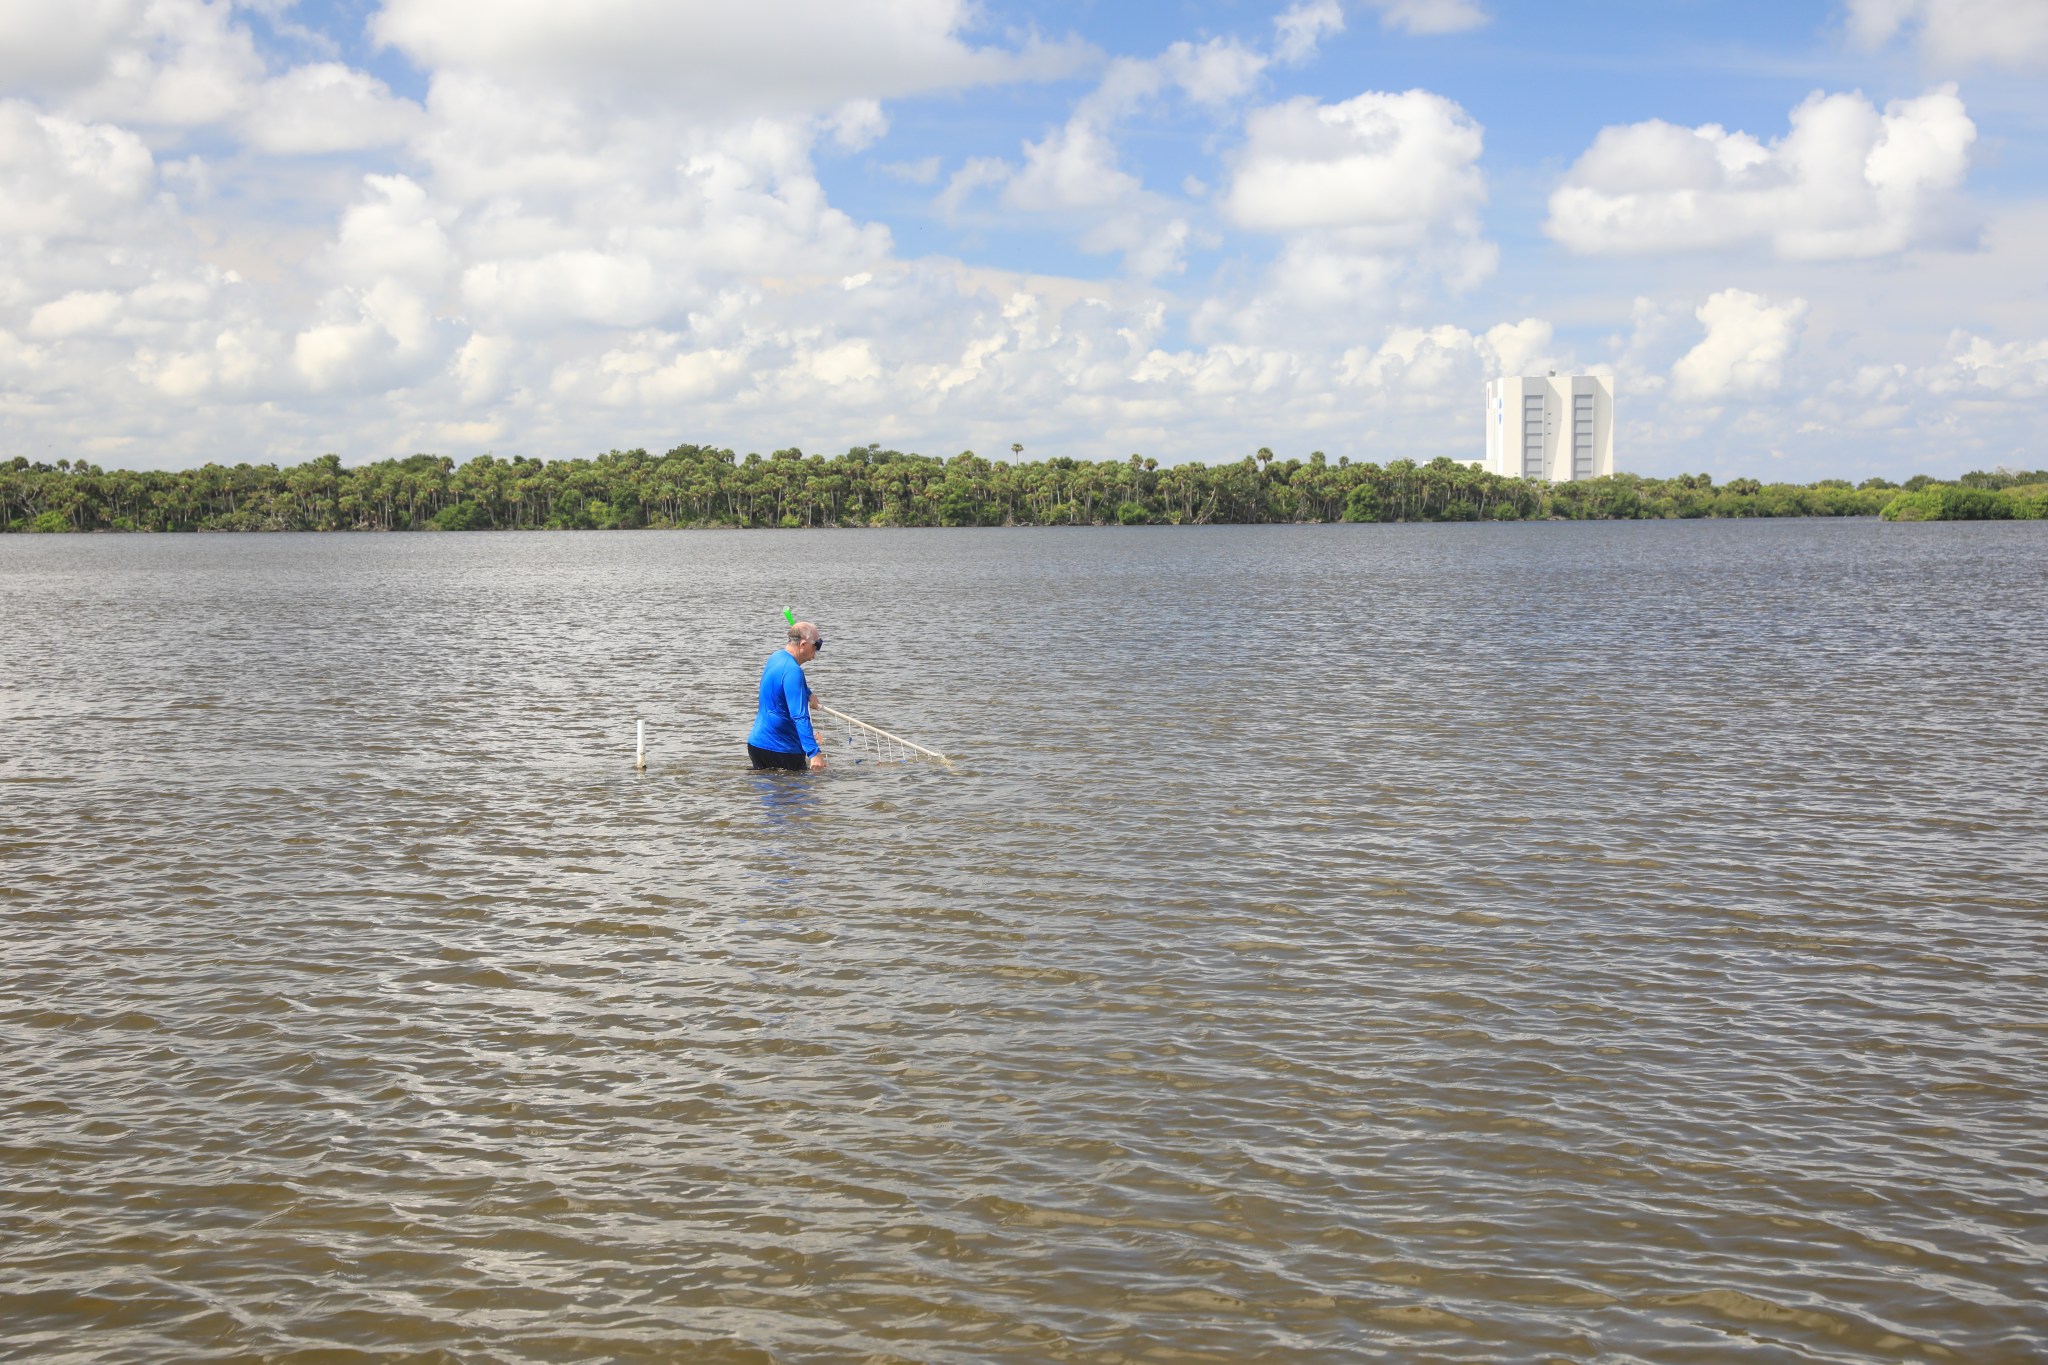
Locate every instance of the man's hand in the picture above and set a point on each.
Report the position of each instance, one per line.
(817, 763)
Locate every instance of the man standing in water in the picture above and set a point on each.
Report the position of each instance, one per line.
(782, 735)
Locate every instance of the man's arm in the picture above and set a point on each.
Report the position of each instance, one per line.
(796, 694)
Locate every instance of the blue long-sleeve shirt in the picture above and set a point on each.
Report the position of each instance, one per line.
(784, 720)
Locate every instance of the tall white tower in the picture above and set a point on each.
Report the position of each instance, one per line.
(1555, 427)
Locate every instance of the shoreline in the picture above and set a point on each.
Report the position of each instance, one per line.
(705, 487)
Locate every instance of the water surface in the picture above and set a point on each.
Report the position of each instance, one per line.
(1586, 941)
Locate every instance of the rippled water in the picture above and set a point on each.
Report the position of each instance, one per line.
(1468, 943)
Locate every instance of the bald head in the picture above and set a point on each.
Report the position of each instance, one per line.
(804, 641)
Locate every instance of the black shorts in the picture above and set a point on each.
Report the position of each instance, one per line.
(776, 758)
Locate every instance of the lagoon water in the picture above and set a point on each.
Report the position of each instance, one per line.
(1536, 942)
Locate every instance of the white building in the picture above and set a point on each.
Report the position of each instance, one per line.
(1556, 427)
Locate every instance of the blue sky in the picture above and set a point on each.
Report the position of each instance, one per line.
(1808, 240)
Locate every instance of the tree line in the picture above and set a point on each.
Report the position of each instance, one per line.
(706, 486)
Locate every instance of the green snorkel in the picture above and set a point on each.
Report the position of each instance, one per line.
(789, 615)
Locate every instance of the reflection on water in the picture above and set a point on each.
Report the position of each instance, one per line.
(1465, 942)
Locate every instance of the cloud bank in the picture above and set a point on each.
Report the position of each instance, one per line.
(634, 228)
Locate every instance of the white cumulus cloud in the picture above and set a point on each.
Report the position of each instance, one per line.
(1394, 166)
(1076, 165)
(565, 213)
(1300, 28)
(654, 368)
(1075, 170)
(1416, 364)
(1744, 351)
(51, 44)
(1954, 33)
(1978, 365)
(1373, 196)
(483, 366)
(326, 107)
(179, 64)
(538, 293)
(857, 124)
(395, 232)
(1215, 72)
(82, 312)
(1072, 167)
(1846, 181)
(380, 337)
(1518, 347)
(60, 176)
(778, 54)
(1444, 366)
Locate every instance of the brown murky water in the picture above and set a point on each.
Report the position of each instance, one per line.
(1589, 942)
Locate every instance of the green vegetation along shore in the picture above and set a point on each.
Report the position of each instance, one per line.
(703, 486)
